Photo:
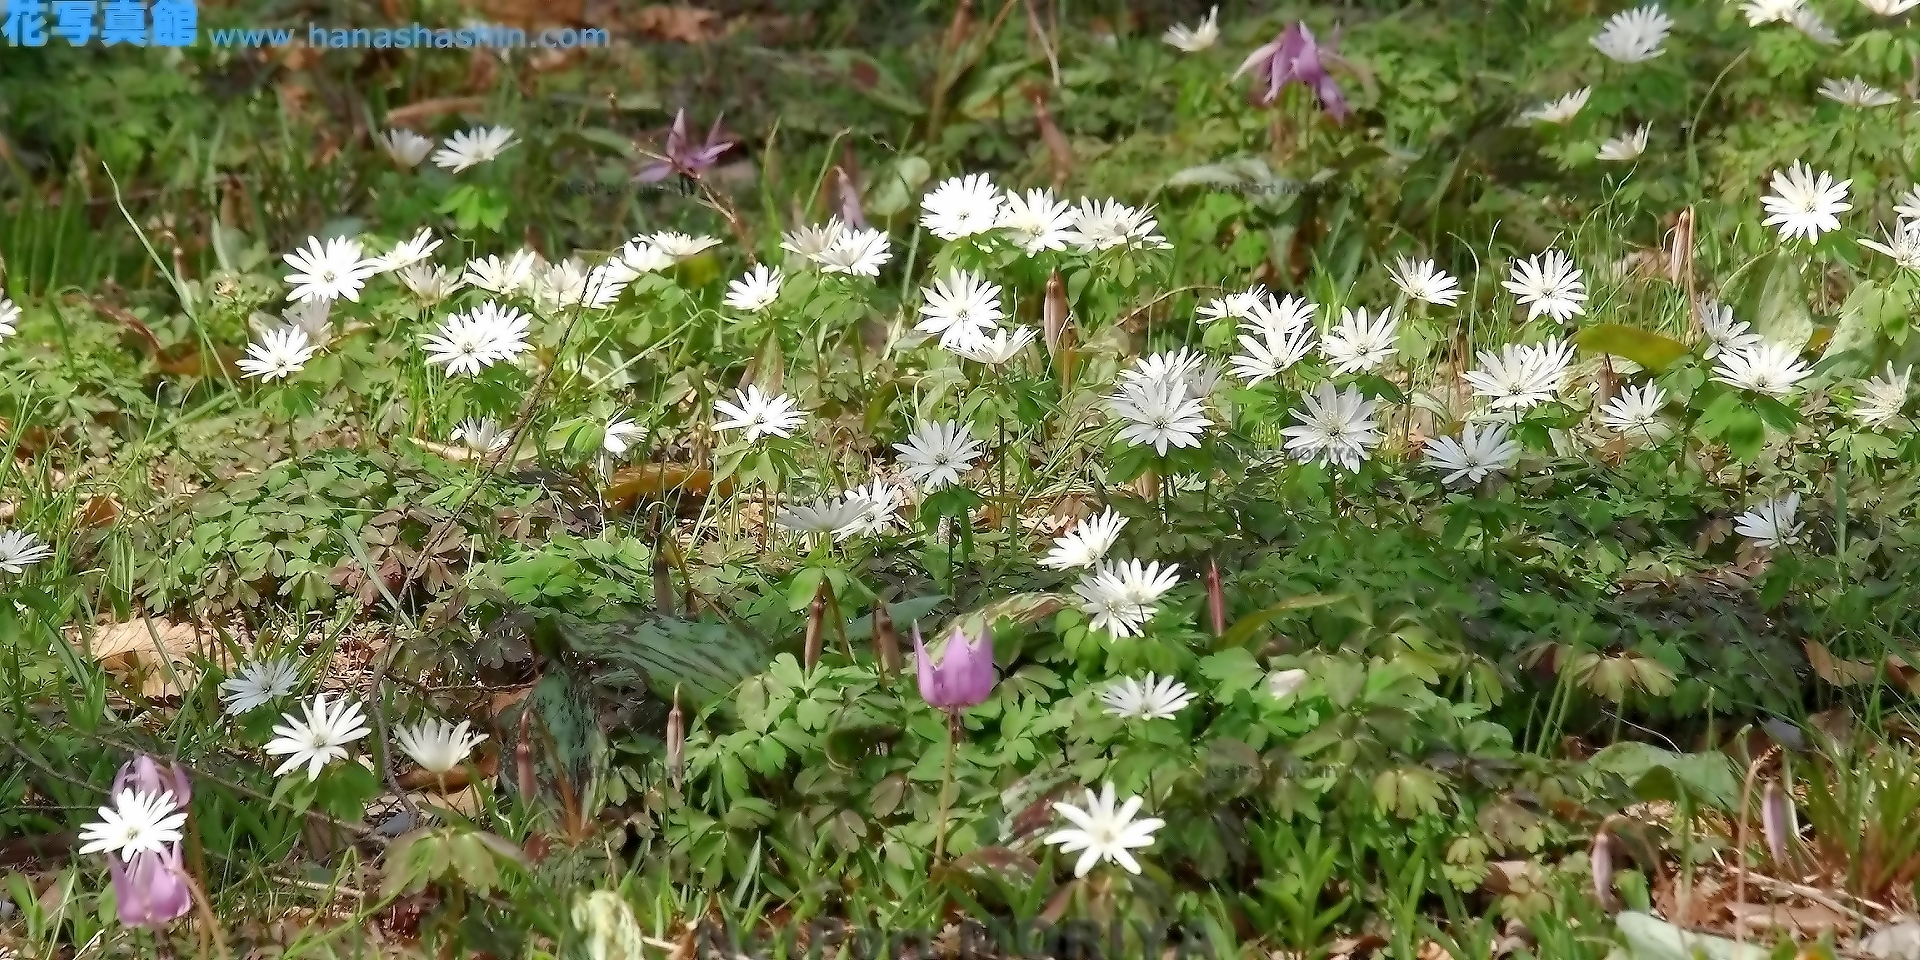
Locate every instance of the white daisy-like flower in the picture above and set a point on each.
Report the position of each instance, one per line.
(430, 283)
(20, 549)
(1421, 280)
(757, 414)
(1626, 147)
(1549, 283)
(1808, 22)
(755, 291)
(1771, 524)
(1106, 224)
(1908, 206)
(838, 517)
(471, 148)
(1635, 36)
(1101, 832)
(606, 282)
(1155, 698)
(1336, 427)
(1520, 377)
(1196, 38)
(278, 353)
(515, 274)
(1561, 110)
(1761, 12)
(406, 253)
(1635, 414)
(1903, 244)
(470, 342)
(311, 316)
(879, 505)
(1282, 684)
(1267, 352)
(1773, 369)
(563, 284)
(482, 435)
(1119, 597)
(996, 348)
(138, 822)
(961, 207)
(1174, 366)
(333, 270)
(1358, 342)
(9, 317)
(1478, 453)
(860, 253)
(1890, 8)
(318, 738)
(1159, 414)
(1877, 400)
(1285, 314)
(1805, 204)
(257, 684)
(937, 453)
(680, 246)
(1233, 306)
(436, 745)
(1857, 93)
(1724, 333)
(1036, 221)
(641, 256)
(1087, 543)
(405, 147)
(960, 307)
(620, 435)
(811, 242)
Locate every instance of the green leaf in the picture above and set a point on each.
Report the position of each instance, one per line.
(1246, 628)
(1707, 776)
(1644, 347)
(1024, 608)
(1778, 306)
(1233, 669)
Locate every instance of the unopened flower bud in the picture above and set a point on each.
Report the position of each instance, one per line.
(676, 741)
(1602, 857)
(886, 641)
(1775, 814)
(1053, 315)
(1216, 599)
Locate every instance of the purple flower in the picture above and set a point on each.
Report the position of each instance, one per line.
(963, 678)
(684, 156)
(152, 889)
(1294, 55)
(148, 775)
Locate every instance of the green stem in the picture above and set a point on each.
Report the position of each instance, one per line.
(946, 785)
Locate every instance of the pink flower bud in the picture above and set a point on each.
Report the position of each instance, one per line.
(151, 890)
(963, 678)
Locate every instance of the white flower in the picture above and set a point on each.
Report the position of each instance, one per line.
(468, 343)
(839, 517)
(1196, 38)
(1890, 8)
(1421, 280)
(311, 316)
(1550, 284)
(430, 283)
(1634, 36)
(1106, 224)
(680, 246)
(1476, 454)
(1284, 683)
(471, 148)
(1358, 343)
(758, 414)
(755, 291)
(1036, 221)
(436, 745)
(1001, 346)
(1119, 597)
(1908, 206)
(1272, 351)
(1805, 205)
(278, 353)
(1233, 305)
(606, 282)
(257, 684)
(641, 256)
(1159, 414)
(1156, 698)
(1877, 400)
(563, 284)
(406, 253)
(20, 549)
(937, 453)
(811, 242)
(1808, 22)
(1724, 333)
(137, 823)
(9, 317)
(512, 275)
(960, 306)
(318, 739)
(1104, 833)
(1769, 368)
(1561, 110)
(1520, 377)
(1087, 543)
(1903, 244)
(482, 435)
(1771, 524)
(405, 147)
(879, 506)
(1628, 147)
(1770, 11)
(1857, 93)
(1182, 366)
(329, 271)
(961, 207)
(1335, 427)
(1284, 315)
(621, 434)
(1635, 413)
(860, 253)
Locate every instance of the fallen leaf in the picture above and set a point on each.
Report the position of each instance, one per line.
(99, 512)
(426, 109)
(1840, 673)
(157, 654)
(676, 23)
(1810, 920)
(654, 481)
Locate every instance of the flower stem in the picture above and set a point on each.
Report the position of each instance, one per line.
(946, 785)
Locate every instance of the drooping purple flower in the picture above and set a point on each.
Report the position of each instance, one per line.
(148, 775)
(851, 212)
(1295, 56)
(683, 155)
(152, 889)
(963, 678)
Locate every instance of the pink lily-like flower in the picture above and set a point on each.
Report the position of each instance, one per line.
(1295, 56)
(152, 889)
(683, 155)
(963, 678)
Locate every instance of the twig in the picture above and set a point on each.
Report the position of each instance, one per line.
(1047, 44)
(1810, 893)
